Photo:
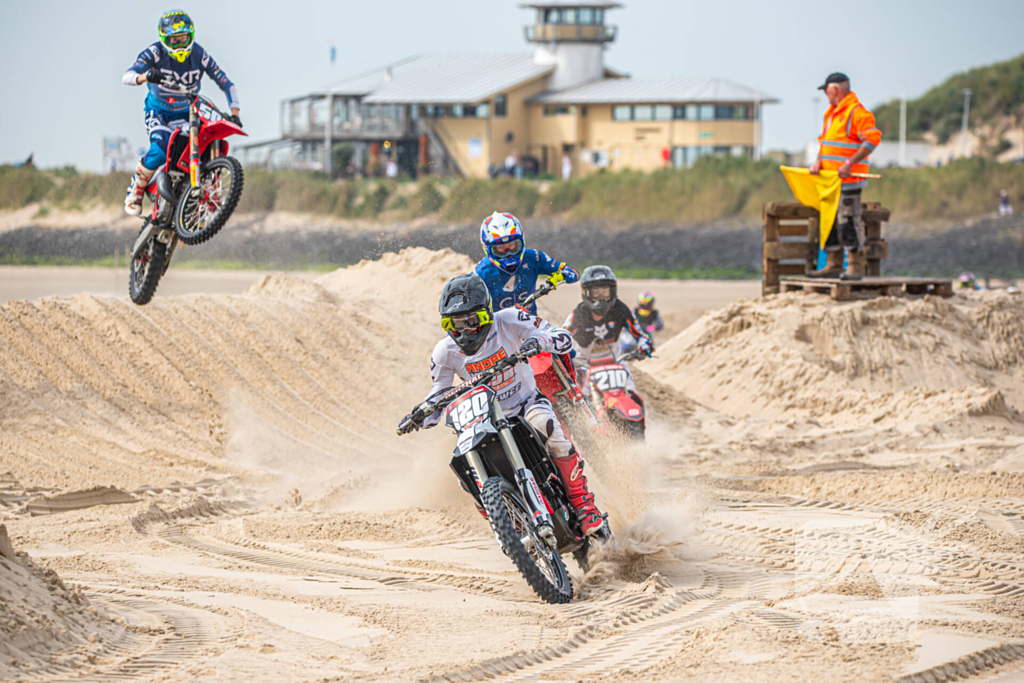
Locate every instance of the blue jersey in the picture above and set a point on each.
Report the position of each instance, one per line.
(508, 290)
(188, 73)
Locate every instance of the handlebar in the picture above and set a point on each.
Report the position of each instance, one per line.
(171, 85)
(427, 408)
(540, 291)
(633, 355)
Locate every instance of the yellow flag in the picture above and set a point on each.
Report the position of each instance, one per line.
(819, 191)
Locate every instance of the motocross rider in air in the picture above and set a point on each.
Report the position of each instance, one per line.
(599, 319)
(175, 57)
(509, 269)
(477, 337)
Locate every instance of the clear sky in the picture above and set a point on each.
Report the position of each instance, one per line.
(63, 59)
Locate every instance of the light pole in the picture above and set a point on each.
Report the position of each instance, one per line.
(963, 125)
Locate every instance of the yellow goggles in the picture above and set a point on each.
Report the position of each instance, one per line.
(466, 321)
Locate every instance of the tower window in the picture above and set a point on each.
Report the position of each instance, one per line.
(569, 16)
(586, 16)
(500, 106)
(552, 17)
(599, 16)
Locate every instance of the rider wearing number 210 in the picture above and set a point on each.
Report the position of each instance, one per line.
(509, 269)
(177, 58)
(478, 337)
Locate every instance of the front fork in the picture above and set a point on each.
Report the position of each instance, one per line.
(193, 146)
(524, 478)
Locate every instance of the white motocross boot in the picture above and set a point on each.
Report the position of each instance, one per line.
(133, 200)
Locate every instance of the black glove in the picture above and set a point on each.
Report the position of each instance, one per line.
(530, 347)
(235, 120)
(154, 75)
(410, 423)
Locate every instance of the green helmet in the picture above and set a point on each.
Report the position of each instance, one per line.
(177, 33)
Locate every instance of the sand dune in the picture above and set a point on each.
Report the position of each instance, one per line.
(828, 490)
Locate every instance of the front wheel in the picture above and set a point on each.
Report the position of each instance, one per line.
(203, 211)
(511, 520)
(146, 270)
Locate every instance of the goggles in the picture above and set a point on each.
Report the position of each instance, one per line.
(599, 293)
(462, 322)
(507, 249)
(179, 40)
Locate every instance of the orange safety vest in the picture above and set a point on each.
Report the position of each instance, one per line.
(847, 127)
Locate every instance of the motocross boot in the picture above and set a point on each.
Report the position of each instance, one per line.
(133, 199)
(581, 499)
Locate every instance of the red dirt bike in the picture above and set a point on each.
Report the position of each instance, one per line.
(620, 409)
(193, 195)
(556, 379)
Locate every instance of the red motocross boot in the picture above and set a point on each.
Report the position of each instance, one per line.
(581, 499)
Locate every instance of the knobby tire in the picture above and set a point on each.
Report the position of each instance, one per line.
(187, 203)
(494, 490)
(142, 285)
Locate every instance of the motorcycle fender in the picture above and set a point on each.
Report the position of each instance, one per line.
(471, 437)
(217, 130)
(627, 408)
(144, 237)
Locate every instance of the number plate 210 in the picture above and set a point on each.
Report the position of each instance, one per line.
(612, 378)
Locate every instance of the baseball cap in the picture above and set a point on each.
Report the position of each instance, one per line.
(837, 77)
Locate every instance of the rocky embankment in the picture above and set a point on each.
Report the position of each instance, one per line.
(988, 245)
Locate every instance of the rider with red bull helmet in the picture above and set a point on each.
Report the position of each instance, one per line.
(174, 57)
(509, 269)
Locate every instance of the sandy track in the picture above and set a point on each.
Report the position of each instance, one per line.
(759, 539)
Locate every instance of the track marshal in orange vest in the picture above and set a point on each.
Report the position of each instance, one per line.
(848, 137)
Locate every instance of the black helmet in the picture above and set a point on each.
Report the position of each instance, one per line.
(599, 276)
(466, 312)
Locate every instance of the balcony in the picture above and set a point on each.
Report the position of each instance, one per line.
(583, 33)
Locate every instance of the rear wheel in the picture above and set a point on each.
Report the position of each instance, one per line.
(510, 518)
(635, 430)
(146, 269)
(202, 212)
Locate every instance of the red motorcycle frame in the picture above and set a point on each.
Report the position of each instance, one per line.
(608, 380)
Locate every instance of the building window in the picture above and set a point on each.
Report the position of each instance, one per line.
(733, 112)
(622, 112)
(559, 110)
(687, 156)
(551, 17)
(483, 110)
(643, 112)
(457, 110)
(662, 112)
(705, 112)
(583, 110)
(569, 16)
(598, 16)
(586, 16)
(500, 106)
(679, 112)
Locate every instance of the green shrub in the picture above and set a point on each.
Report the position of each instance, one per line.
(474, 199)
(21, 186)
(560, 198)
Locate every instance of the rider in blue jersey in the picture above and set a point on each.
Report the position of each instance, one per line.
(176, 57)
(509, 269)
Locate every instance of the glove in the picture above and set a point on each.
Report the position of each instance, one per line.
(556, 279)
(645, 346)
(233, 118)
(154, 75)
(410, 423)
(530, 347)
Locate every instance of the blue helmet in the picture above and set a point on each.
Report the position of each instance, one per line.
(501, 235)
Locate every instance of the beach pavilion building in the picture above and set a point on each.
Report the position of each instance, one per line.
(463, 114)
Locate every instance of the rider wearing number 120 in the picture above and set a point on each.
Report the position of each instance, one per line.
(175, 57)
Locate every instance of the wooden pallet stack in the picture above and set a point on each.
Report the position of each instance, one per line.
(799, 256)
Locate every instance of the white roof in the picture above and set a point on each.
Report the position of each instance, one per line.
(654, 91)
(443, 78)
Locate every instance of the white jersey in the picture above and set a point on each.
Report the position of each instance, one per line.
(515, 387)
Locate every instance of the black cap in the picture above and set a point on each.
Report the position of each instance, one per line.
(834, 78)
